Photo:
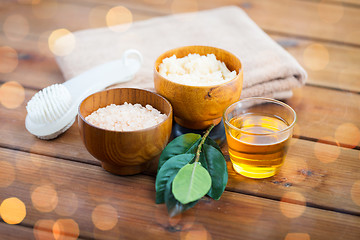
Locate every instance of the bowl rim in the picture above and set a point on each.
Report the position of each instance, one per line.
(133, 131)
(199, 86)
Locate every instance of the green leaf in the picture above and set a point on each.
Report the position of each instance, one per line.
(208, 141)
(179, 145)
(215, 163)
(191, 183)
(206, 161)
(175, 207)
(169, 168)
(211, 142)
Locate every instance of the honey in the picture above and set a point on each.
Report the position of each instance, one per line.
(257, 144)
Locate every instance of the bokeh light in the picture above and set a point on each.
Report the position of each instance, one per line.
(292, 204)
(104, 217)
(355, 192)
(119, 15)
(297, 236)
(173, 221)
(61, 42)
(67, 203)
(316, 57)
(8, 58)
(43, 229)
(198, 232)
(12, 210)
(327, 153)
(7, 174)
(33, 2)
(97, 16)
(66, 229)
(44, 198)
(330, 13)
(45, 9)
(16, 27)
(12, 94)
(348, 134)
(180, 6)
(156, 2)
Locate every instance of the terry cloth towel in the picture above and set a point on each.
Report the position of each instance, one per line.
(269, 70)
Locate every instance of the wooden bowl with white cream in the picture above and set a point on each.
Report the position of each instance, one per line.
(198, 105)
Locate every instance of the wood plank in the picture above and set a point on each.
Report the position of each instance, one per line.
(318, 111)
(325, 175)
(127, 204)
(341, 71)
(14, 135)
(350, 3)
(47, 16)
(338, 69)
(344, 30)
(323, 113)
(309, 173)
(8, 232)
(36, 67)
(314, 107)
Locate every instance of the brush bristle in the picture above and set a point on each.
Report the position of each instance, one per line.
(49, 104)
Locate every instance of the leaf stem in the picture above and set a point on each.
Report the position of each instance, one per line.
(197, 157)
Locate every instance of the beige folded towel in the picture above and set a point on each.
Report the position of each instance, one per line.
(268, 69)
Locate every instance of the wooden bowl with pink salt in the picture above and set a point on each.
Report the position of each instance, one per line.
(125, 128)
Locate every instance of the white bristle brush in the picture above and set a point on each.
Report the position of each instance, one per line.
(53, 110)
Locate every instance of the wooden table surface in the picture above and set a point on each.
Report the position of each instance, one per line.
(67, 195)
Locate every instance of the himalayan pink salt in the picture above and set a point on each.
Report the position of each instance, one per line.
(126, 117)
